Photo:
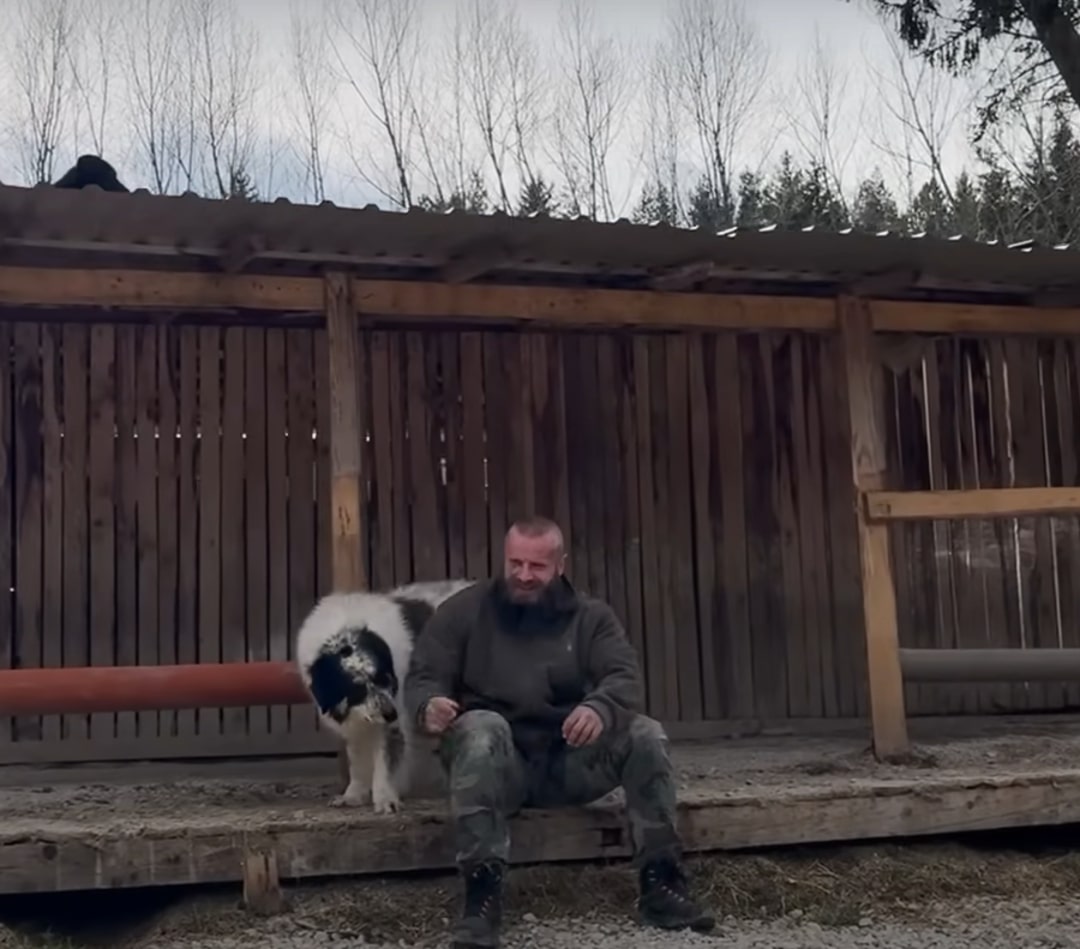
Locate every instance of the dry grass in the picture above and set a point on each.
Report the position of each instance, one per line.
(832, 887)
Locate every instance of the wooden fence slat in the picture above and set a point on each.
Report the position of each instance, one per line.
(168, 510)
(479, 556)
(29, 489)
(382, 512)
(102, 410)
(209, 720)
(496, 429)
(233, 573)
(517, 397)
(189, 453)
(455, 470)
(302, 507)
(125, 499)
(55, 550)
(1062, 403)
(76, 344)
(396, 390)
(146, 365)
(257, 519)
(427, 519)
(589, 463)
(278, 628)
(7, 495)
(651, 564)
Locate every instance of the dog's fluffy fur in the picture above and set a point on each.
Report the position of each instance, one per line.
(353, 651)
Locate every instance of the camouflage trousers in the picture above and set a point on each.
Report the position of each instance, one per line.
(491, 781)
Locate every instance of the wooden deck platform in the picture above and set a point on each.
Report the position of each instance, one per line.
(164, 824)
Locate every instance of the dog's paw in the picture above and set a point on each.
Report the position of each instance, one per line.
(353, 797)
(386, 800)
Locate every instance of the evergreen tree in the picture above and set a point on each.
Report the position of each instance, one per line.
(655, 205)
(930, 212)
(874, 209)
(706, 208)
(241, 187)
(751, 201)
(537, 197)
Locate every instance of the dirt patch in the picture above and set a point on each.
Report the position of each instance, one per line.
(829, 887)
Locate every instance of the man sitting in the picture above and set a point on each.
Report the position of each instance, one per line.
(534, 689)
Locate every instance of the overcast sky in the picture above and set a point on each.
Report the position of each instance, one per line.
(855, 41)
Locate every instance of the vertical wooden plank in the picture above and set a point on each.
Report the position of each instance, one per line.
(517, 397)
(660, 704)
(453, 446)
(168, 509)
(685, 627)
(579, 447)
(189, 455)
(1064, 396)
(427, 523)
(125, 647)
(788, 414)
(728, 491)
(53, 727)
(627, 461)
(76, 341)
(992, 552)
(865, 405)
(7, 501)
(702, 423)
(302, 508)
(589, 460)
(549, 430)
(256, 520)
(29, 476)
(480, 558)
(324, 542)
(385, 486)
(800, 499)
(146, 544)
(610, 474)
(496, 429)
(346, 434)
(1001, 382)
(764, 564)
(102, 509)
(233, 571)
(277, 511)
(400, 476)
(209, 720)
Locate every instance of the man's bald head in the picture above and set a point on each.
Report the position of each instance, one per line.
(533, 558)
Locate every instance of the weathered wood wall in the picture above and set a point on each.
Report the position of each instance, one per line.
(165, 498)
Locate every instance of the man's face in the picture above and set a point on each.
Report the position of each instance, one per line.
(531, 564)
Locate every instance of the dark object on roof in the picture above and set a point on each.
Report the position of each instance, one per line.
(91, 170)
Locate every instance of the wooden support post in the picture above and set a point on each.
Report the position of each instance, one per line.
(868, 462)
(262, 885)
(346, 439)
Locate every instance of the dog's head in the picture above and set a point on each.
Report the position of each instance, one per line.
(354, 675)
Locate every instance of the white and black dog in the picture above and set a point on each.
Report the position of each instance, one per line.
(353, 650)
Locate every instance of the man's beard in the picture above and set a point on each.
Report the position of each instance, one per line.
(544, 602)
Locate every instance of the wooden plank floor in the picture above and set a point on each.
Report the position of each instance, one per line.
(174, 823)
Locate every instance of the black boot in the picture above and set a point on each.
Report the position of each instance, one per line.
(665, 901)
(479, 925)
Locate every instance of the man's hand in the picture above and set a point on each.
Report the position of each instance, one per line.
(582, 726)
(439, 713)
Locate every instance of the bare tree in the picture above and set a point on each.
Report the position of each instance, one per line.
(92, 70)
(588, 109)
(725, 65)
(41, 71)
(917, 108)
(816, 111)
(377, 56)
(662, 136)
(224, 58)
(526, 89)
(151, 48)
(313, 92)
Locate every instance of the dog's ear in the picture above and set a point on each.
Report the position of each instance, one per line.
(329, 683)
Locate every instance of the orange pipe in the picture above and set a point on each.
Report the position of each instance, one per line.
(87, 689)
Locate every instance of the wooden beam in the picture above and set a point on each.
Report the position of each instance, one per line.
(346, 434)
(262, 884)
(51, 854)
(970, 503)
(1048, 664)
(152, 289)
(868, 464)
(472, 260)
(407, 299)
(346, 440)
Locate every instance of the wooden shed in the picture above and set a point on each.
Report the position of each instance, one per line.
(211, 412)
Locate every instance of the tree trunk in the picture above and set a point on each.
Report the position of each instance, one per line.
(1061, 39)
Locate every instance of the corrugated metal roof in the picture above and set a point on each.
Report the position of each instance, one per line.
(269, 236)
